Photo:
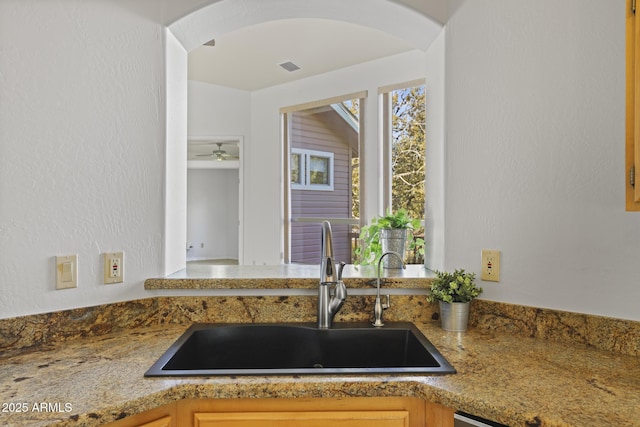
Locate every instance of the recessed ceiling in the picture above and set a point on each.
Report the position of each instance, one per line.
(249, 58)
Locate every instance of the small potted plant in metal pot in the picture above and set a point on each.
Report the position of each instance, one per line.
(454, 293)
(388, 233)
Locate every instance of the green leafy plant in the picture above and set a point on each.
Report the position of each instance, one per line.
(371, 249)
(458, 286)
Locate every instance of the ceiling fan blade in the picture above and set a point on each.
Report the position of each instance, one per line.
(219, 154)
(226, 142)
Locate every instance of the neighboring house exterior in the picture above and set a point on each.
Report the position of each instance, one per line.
(323, 142)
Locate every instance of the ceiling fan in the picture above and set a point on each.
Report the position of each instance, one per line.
(219, 154)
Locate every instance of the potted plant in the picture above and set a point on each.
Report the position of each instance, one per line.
(388, 233)
(454, 293)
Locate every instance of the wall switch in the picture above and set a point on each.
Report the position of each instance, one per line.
(113, 267)
(490, 265)
(66, 271)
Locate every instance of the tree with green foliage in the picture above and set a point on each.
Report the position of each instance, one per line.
(408, 120)
(408, 150)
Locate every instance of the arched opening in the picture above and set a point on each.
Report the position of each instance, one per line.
(197, 28)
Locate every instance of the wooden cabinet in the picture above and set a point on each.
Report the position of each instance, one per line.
(162, 416)
(318, 412)
(632, 145)
(303, 419)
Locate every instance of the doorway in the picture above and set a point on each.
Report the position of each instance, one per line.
(214, 200)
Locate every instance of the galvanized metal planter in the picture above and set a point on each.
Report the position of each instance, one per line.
(454, 316)
(393, 239)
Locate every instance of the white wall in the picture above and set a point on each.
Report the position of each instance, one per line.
(535, 153)
(212, 213)
(218, 110)
(175, 183)
(435, 215)
(81, 150)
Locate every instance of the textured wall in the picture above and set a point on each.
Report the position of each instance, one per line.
(81, 150)
(212, 213)
(535, 153)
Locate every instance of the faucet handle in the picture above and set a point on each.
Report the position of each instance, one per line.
(378, 309)
(340, 268)
(340, 291)
(337, 299)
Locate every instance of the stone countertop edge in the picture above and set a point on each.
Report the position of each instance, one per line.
(290, 276)
(513, 380)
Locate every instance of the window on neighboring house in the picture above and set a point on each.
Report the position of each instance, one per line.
(296, 169)
(311, 170)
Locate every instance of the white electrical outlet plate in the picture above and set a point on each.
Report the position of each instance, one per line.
(113, 267)
(490, 265)
(66, 271)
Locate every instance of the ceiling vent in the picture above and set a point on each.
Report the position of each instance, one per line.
(289, 66)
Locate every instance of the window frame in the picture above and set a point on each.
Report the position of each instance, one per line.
(305, 169)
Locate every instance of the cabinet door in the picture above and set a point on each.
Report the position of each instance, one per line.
(304, 412)
(162, 422)
(439, 416)
(304, 419)
(632, 145)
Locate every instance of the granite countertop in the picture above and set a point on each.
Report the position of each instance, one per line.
(514, 380)
(286, 276)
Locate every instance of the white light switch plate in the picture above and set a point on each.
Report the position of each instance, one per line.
(66, 271)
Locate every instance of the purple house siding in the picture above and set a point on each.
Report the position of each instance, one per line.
(315, 132)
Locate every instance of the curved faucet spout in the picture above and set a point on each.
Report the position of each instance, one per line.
(397, 255)
(378, 307)
(327, 266)
(329, 305)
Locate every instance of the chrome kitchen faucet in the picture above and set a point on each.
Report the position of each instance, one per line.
(378, 307)
(329, 305)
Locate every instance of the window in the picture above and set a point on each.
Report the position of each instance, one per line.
(321, 160)
(323, 150)
(311, 170)
(296, 169)
(404, 148)
(319, 170)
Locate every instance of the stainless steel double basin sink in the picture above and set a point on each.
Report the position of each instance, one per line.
(300, 348)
